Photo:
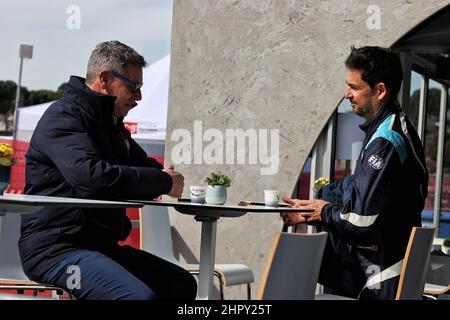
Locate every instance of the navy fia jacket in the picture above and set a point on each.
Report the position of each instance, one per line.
(77, 151)
(371, 213)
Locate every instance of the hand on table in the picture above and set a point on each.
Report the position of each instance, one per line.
(292, 218)
(177, 182)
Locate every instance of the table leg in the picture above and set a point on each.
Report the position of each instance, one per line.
(207, 259)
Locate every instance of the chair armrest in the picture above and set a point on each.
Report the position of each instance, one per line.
(435, 290)
(329, 296)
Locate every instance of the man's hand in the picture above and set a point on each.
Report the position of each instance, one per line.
(177, 182)
(292, 218)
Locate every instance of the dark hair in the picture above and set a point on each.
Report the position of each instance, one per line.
(112, 55)
(377, 65)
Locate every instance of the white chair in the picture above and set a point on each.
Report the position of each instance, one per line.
(156, 238)
(293, 266)
(12, 276)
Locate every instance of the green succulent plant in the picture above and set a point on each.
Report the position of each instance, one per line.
(446, 242)
(218, 179)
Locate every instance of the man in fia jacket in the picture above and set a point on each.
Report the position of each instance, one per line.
(80, 149)
(369, 215)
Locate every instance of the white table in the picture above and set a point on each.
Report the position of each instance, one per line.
(24, 203)
(208, 215)
(28, 203)
(20, 204)
(17, 203)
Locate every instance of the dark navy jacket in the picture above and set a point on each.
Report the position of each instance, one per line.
(371, 213)
(78, 152)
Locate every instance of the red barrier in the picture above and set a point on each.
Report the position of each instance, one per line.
(17, 180)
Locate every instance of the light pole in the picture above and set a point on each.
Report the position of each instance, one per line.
(26, 52)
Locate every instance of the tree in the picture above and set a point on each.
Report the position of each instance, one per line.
(41, 96)
(8, 98)
(27, 98)
(7, 95)
(61, 88)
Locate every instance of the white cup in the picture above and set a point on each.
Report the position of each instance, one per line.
(198, 194)
(271, 198)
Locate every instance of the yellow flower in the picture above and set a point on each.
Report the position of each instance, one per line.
(320, 183)
(6, 151)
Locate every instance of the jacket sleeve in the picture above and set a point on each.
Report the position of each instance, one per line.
(333, 192)
(63, 140)
(139, 157)
(368, 193)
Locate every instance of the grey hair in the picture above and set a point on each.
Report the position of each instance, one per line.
(112, 55)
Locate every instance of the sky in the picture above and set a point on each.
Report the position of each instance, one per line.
(64, 33)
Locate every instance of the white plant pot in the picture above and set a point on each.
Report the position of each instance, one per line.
(216, 194)
(445, 249)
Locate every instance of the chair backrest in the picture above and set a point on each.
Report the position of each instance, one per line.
(438, 270)
(10, 264)
(156, 236)
(293, 266)
(415, 263)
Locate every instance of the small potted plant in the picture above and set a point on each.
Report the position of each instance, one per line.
(445, 247)
(216, 192)
(6, 162)
(320, 183)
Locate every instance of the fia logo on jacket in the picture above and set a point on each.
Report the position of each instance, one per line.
(375, 162)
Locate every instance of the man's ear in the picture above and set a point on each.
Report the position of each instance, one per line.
(382, 91)
(103, 77)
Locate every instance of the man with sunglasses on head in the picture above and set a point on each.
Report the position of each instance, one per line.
(81, 149)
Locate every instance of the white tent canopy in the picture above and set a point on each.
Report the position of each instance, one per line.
(147, 120)
(150, 114)
(28, 118)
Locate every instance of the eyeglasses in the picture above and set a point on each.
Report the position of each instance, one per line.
(134, 86)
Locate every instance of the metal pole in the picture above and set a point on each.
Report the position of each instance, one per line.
(16, 105)
(207, 257)
(439, 161)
